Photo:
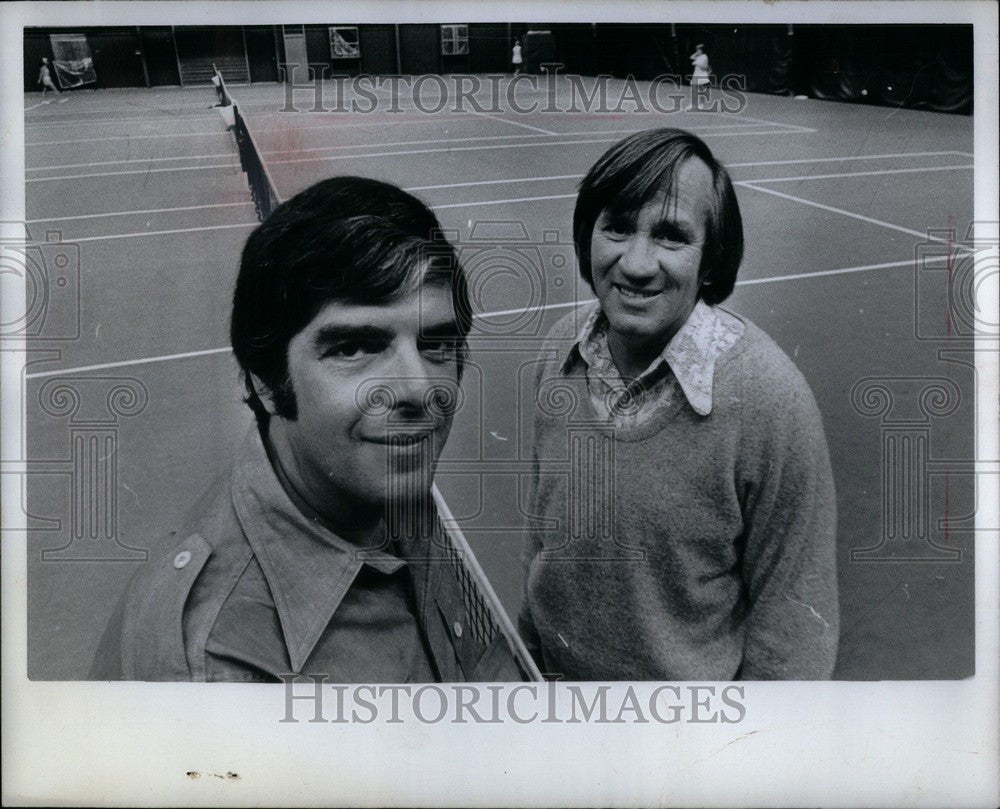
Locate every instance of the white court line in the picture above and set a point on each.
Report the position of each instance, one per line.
(136, 171)
(424, 118)
(137, 212)
(363, 156)
(729, 165)
(858, 174)
(851, 214)
(844, 270)
(39, 104)
(396, 119)
(543, 198)
(480, 203)
(507, 146)
(268, 130)
(76, 124)
(122, 162)
(126, 363)
(469, 139)
(472, 183)
(846, 158)
(523, 309)
(514, 123)
(547, 197)
(136, 107)
(476, 138)
(305, 151)
(765, 121)
(161, 232)
(499, 313)
(480, 138)
(257, 130)
(216, 132)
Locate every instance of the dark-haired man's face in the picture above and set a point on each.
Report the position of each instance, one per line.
(645, 268)
(371, 385)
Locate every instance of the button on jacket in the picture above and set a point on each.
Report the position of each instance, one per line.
(253, 588)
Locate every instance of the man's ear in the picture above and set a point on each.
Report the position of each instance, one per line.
(264, 393)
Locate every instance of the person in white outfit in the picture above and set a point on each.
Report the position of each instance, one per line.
(45, 78)
(700, 74)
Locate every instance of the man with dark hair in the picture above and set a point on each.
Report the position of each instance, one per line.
(322, 552)
(694, 537)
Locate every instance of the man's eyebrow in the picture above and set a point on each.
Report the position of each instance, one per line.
(669, 226)
(334, 333)
(443, 328)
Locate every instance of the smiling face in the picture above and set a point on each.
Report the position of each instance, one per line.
(646, 267)
(369, 380)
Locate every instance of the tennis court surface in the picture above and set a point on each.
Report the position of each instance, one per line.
(134, 413)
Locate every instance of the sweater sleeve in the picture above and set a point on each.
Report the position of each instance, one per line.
(533, 543)
(553, 349)
(789, 561)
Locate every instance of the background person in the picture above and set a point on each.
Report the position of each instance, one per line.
(699, 61)
(516, 58)
(719, 562)
(701, 71)
(45, 78)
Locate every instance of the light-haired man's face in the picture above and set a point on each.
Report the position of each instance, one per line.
(646, 268)
(371, 382)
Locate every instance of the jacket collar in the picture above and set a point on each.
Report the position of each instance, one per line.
(307, 567)
(691, 354)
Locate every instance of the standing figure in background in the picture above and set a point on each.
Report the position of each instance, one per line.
(516, 58)
(45, 78)
(699, 78)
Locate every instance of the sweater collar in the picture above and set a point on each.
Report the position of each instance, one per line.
(690, 355)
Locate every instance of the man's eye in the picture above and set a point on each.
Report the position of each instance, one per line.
(350, 349)
(616, 230)
(672, 235)
(439, 349)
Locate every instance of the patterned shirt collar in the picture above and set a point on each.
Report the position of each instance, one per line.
(308, 568)
(690, 355)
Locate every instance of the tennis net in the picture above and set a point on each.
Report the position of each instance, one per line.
(485, 614)
(262, 188)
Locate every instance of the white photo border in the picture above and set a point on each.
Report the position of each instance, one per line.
(820, 744)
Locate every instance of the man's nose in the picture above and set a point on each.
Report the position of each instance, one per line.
(421, 389)
(638, 262)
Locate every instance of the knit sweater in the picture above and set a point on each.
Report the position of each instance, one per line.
(690, 547)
